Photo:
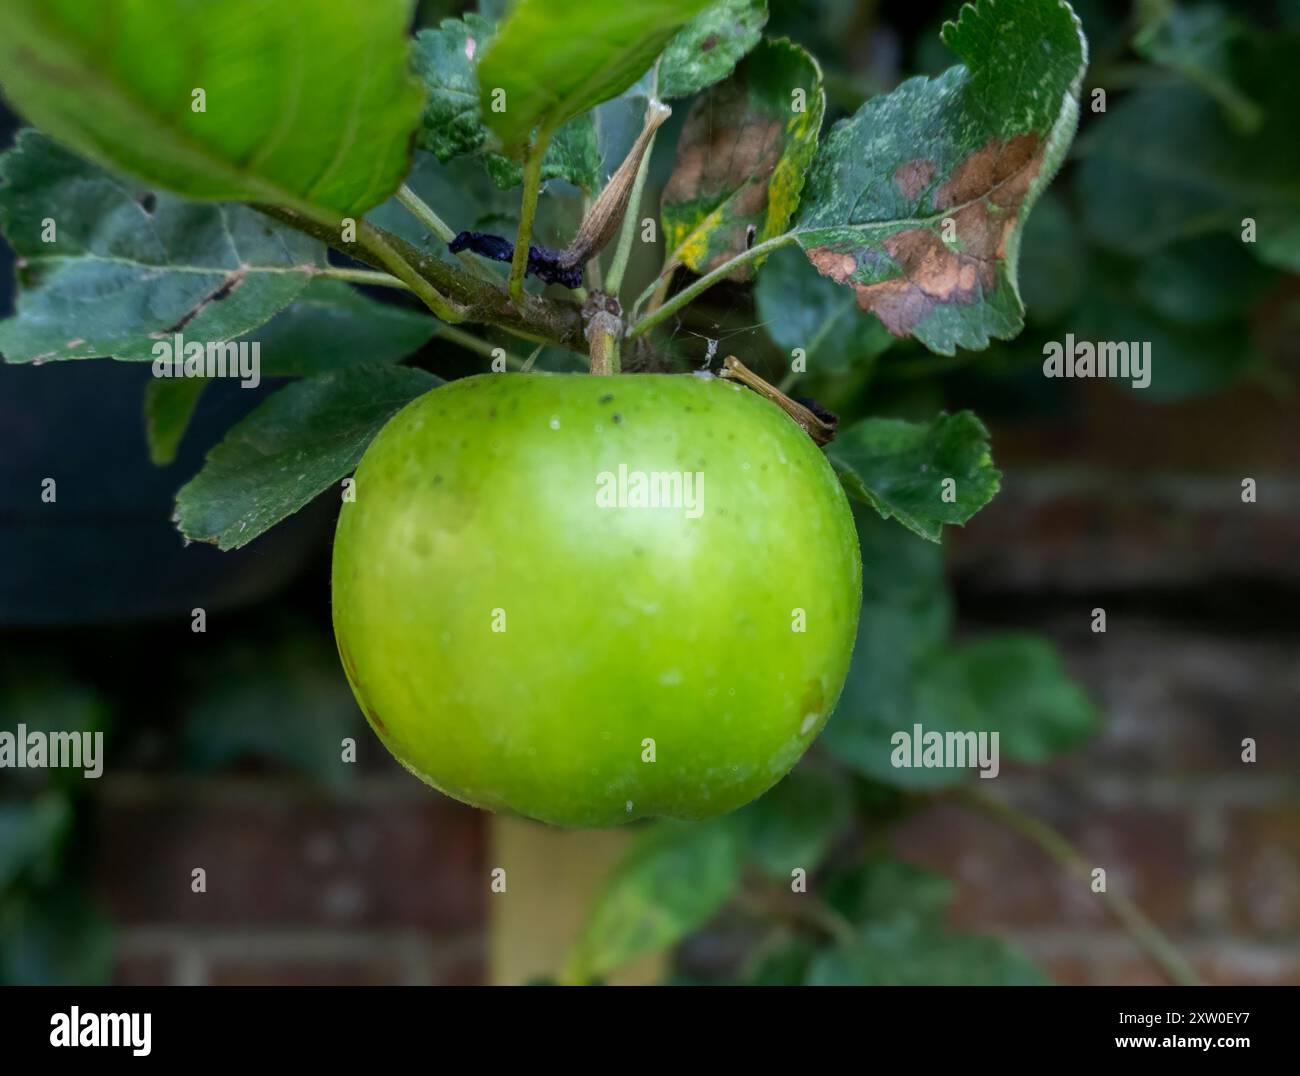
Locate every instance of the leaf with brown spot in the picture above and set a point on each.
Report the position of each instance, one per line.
(742, 157)
(707, 48)
(121, 276)
(917, 201)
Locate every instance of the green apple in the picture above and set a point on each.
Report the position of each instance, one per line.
(594, 599)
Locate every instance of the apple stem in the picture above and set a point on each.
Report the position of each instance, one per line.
(820, 427)
(603, 317)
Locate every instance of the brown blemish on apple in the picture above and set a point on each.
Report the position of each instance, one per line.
(984, 194)
(349, 666)
(374, 719)
(810, 710)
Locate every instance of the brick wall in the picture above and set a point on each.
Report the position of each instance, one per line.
(1137, 509)
(383, 883)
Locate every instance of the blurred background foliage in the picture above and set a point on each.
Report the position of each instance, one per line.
(1139, 238)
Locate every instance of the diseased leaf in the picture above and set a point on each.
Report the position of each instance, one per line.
(902, 469)
(676, 875)
(445, 60)
(306, 106)
(707, 48)
(298, 443)
(128, 267)
(800, 308)
(794, 825)
(917, 201)
(553, 63)
(332, 325)
(169, 404)
(742, 157)
(573, 155)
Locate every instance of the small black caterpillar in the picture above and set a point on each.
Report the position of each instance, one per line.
(549, 266)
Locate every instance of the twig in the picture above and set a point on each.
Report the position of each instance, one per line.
(686, 295)
(424, 213)
(527, 211)
(377, 244)
(1129, 915)
(534, 317)
(372, 277)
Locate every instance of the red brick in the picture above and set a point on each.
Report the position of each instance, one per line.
(1178, 702)
(144, 969)
(379, 971)
(416, 862)
(1241, 965)
(1003, 879)
(1263, 869)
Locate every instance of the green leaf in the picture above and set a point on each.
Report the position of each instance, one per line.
(556, 63)
(904, 672)
(906, 616)
(127, 268)
(31, 835)
(1197, 42)
(311, 110)
(169, 405)
(904, 954)
(46, 696)
(1206, 281)
(573, 155)
(974, 148)
(332, 326)
(795, 824)
(674, 878)
(1012, 684)
(742, 158)
(883, 889)
(54, 938)
(1053, 261)
(1164, 164)
(902, 941)
(282, 701)
(902, 469)
(708, 47)
(445, 60)
(1186, 360)
(800, 308)
(297, 444)
(785, 966)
